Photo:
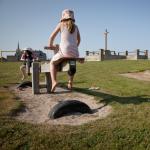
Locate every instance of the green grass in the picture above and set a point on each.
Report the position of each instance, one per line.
(128, 126)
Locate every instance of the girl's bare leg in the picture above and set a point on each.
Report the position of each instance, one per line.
(70, 82)
(23, 72)
(53, 71)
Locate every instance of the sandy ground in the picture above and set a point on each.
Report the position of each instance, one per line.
(145, 75)
(37, 107)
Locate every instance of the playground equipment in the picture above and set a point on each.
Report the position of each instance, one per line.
(69, 107)
(63, 108)
(66, 65)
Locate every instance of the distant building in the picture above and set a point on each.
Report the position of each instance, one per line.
(2, 59)
(12, 58)
(41, 55)
(16, 57)
(18, 53)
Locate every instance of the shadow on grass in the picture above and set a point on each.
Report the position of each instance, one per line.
(108, 98)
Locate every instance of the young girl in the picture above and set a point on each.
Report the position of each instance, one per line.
(70, 40)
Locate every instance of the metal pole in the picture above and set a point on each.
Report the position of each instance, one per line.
(106, 33)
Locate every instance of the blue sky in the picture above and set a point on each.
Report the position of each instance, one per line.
(31, 22)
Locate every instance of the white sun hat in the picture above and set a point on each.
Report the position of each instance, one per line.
(27, 49)
(67, 14)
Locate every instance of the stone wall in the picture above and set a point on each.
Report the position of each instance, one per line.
(137, 54)
(110, 55)
(93, 58)
(12, 58)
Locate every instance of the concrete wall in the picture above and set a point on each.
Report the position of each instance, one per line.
(114, 57)
(102, 55)
(12, 58)
(93, 58)
(109, 55)
(132, 57)
(142, 57)
(137, 54)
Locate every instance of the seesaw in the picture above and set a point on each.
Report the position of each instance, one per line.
(67, 64)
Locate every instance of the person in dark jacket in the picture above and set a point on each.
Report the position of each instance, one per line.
(27, 57)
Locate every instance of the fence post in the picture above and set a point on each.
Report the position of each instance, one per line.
(87, 53)
(48, 82)
(102, 54)
(146, 53)
(138, 52)
(126, 53)
(35, 78)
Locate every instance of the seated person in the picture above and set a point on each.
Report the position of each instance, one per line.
(69, 42)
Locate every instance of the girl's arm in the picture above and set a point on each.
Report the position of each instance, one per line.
(23, 57)
(53, 35)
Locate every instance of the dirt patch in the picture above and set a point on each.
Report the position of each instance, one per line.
(37, 107)
(145, 75)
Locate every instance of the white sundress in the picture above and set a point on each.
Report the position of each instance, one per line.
(68, 45)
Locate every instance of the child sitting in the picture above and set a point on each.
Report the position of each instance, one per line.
(70, 40)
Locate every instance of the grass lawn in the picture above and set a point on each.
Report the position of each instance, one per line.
(127, 127)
